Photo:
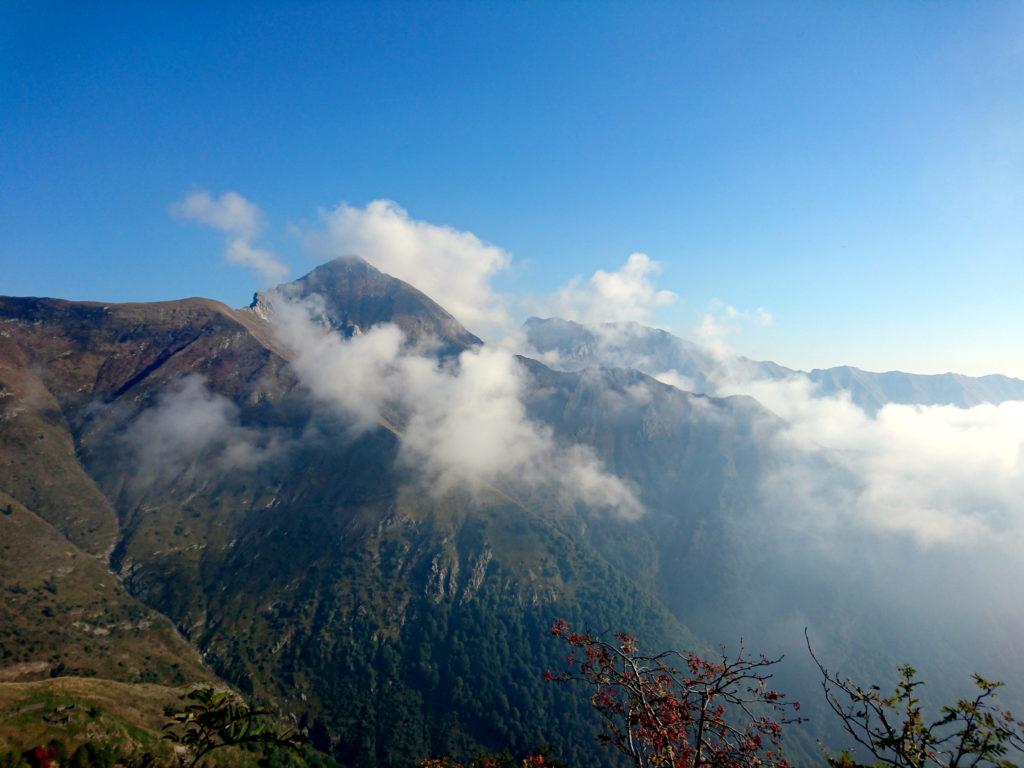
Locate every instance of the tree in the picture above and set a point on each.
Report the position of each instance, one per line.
(217, 719)
(973, 733)
(713, 714)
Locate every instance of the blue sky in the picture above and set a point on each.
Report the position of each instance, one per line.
(856, 169)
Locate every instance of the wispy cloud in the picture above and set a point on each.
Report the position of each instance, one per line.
(723, 322)
(463, 423)
(241, 221)
(189, 428)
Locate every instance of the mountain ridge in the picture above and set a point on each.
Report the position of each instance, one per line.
(656, 352)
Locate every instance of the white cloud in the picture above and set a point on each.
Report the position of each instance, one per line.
(628, 294)
(463, 424)
(230, 213)
(242, 223)
(452, 266)
(263, 261)
(675, 379)
(361, 375)
(723, 321)
(190, 427)
(713, 332)
(470, 423)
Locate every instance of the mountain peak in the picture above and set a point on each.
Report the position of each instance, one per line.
(357, 296)
(343, 265)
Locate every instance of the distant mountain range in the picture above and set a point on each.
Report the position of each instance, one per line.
(181, 508)
(573, 346)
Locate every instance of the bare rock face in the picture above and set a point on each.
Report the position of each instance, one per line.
(443, 579)
(477, 574)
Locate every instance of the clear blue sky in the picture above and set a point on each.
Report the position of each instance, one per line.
(855, 168)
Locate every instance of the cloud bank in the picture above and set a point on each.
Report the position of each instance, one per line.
(242, 223)
(943, 475)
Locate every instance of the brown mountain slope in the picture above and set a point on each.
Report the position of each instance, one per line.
(61, 609)
(38, 466)
(76, 709)
(84, 352)
(63, 612)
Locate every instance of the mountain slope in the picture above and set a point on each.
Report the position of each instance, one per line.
(75, 710)
(62, 610)
(313, 571)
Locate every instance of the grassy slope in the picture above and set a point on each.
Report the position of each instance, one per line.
(76, 709)
(61, 611)
(38, 465)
